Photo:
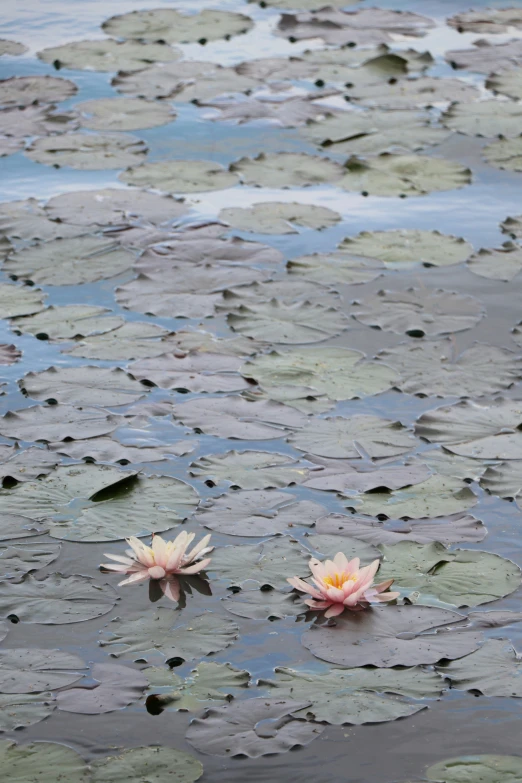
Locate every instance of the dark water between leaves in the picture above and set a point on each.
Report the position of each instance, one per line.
(455, 723)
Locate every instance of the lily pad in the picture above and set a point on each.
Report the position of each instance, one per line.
(478, 431)
(167, 24)
(356, 696)
(56, 422)
(403, 175)
(26, 90)
(485, 118)
(206, 683)
(430, 574)
(488, 20)
(250, 469)
(19, 300)
(288, 324)
(303, 5)
(291, 111)
(340, 476)
(125, 340)
(201, 252)
(286, 169)
(339, 267)
(165, 80)
(418, 312)
(123, 114)
(504, 480)
(16, 526)
(140, 638)
(340, 438)
(19, 123)
(402, 248)
(273, 217)
(217, 83)
(265, 605)
(63, 322)
(329, 546)
(86, 385)
(508, 82)
(109, 450)
(88, 152)
(451, 530)
(55, 599)
(158, 764)
(486, 769)
(493, 670)
(197, 373)
(486, 56)
(201, 342)
(9, 354)
(118, 686)
(258, 513)
(505, 154)
(40, 762)
(447, 464)
(108, 55)
(19, 559)
(284, 291)
(25, 465)
(27, 220)
(236, 417)
(22, 710)
(8, 146)
(339, 373)
(512, 226)
(424, 91)
(388, 636)
(34, 670)
(268, 563)
(11, 48)
(438, 496)
(180, 176)
(433, 369)
(500, 264)
(233, 730)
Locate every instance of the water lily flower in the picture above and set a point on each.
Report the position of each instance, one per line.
(162, 561)
(341, 585)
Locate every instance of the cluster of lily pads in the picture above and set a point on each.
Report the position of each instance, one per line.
(251, 417)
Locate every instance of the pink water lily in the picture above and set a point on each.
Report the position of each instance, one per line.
(341, 585)
(162, 561)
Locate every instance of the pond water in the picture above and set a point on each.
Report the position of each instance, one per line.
(144, 304)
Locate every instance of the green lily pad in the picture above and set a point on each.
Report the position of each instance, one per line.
(17, 711)
(273, 217)
(63, 322)
(500, 264)
(41, 762)
(339, 267)
(34, 670)
(402, 248)
(207, 683)
(356, 696)
(265, 605)
(489, 20)
(88, 152)
(431, 574)
(109, 450)
(269, 563)
(167, 24)
(505, 154)
(329, 546)
(20, 300)
(493, 670)
(155, 764)
(341, 476)
(485, 118)
(339, 438)
(180, 176)
(438, 496)
(25, 90)
(108, 55)
(482, 769)
(250, 469)
(140, 638)
(123, 114)
(16, 526)
(288, 324)
(103, 386)
(19, 559)
(286, 169)
(448, 464)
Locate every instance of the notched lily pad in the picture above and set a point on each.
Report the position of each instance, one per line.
(485, 118)
(402, 248)
(17, 711)
(27, 762)
(268, 563)
(505, 154)
(34, 670)
(167, 24)
(197, 373)
(493, 670)
(118, 686)
(19, 559)
(339, 267)
(273, 217)
(481, 768)
(27, 220)
(88, 152)
(340, 438)
(250, 469)
(108, 55)
(99, 386)
(18, 300)
(137, 764)
(25, 90)
(288, 323)
(57, 422)
(341, 476)
(123, 114)
(487, 57)
(286, 169)
(488, 20)
(180, 176)
(265, 605)
(206, 683)
(503, 263)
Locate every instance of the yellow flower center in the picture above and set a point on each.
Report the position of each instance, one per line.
(338, 579)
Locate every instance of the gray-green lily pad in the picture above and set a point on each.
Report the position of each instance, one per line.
(508, 82)
(485, 118)
(18, 300)
(55, 599)
(180, 176)
(265, 605)
(425, 91)
(156, 764)
(110, 450)
(216, 84)
(10, 145)
(493, 670)
(284, 291)
(303, 5)
(402, 248)
(123, 114)
(451, 530)
(206, 683)
(273, 217)
(419, 311)
(286, 169)
(258, 513)
(35, 762)
(197, 373)
(489, 20)
(430, 574)
(167, 24)
(483, 769)
(16, 526)
(88, 152)
(34, 670)
(250, 469)
(201, 342)
(11, 48)
(403, 175)
(448, 464)
(160, 633)
(189, 254)
(123, 341)
(478, 431)
(388, 636)
(341, 476)
(503, 263)
(17, 123)
(25, 465)
(70, 261)
(118, 686)
(486, 56)
(9, 354)
(434, 368)
(329, 546)
(504, 480)
(25, 90)
(108, 55)
(438, 496)
(512, 226)
(87, 385)
(64, 322)
(291, 111)
(268, 563)
(56, 422)
(505, 154)
(356, 696)
(339, 267)
(234, 730)
(165, 80)
(288, 323)
(340, 438)
(17, 711)
(27, 220)
(19, 559)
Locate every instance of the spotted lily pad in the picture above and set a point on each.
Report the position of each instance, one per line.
(118, 686)
(206, 683)
(56, 422)
(339, 438)
(402, 248)
(19, 559)
(89, 152)
(108, 55)
(272, 217)
(180, 176)
(19, 300)
(123, 114)
(25, 90)
(167, 24)
(289, 324)
(33, 670)
(286, 169)
(438, 496)
(137, 764)
(19, 123)
(489, 20)
(500, 264)
(101, 386)
(268, 563)
(505, 154)
(249, 469)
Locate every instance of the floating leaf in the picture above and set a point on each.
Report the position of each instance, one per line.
(25, 90)
(180, 176)
(273, 217)
(292, 323)
(505, 154)
(34, 670)
(124, 341)
(9, 354)
(483, 769)
(109, 450)
(504, 480)
(286, 169)
(206, 683)
(284, 291)
(197, 373)
(85, 385)
(233, 730)
(500, 264)
(433, 369)
(18, 123)
(8, 146)
(41, 762)
(11, 48)
(167, 24)
(201, 342)
(123, 114)
(438, 496)
(508, 82)
(235, 417)
(485, 118)
(418, 312)
(493, 670)
(188, 254)
(268, 563)
(57, 422)
(405, 247)
(55, 599)
(265, 605)
(403, 175)
(16, 526)
(329, 546)
(67, 321)
(452, 530)
(340, 438)
(258, 513)
(340, 476)
(118, 686)
(356, 696)
(388, 636)
(340, 267)
(410, 93)
(166, 80)
(211, 85)
(27, 220)
(135, 765)
(108, 55)
(302, 5)
(512, 226)
(89, 152)
(448, 464)
(429, 574)
(284, 112)
(250, 469)
(19, 300)
(19, 711)
(20, 559)
(486, 57)
(147, 634)
(489, 20)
